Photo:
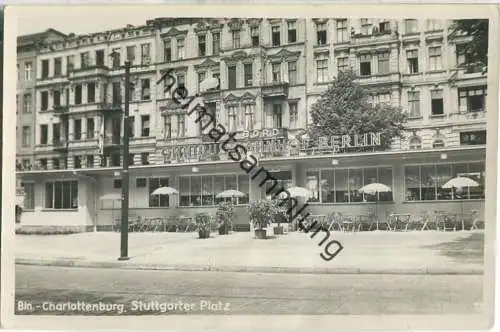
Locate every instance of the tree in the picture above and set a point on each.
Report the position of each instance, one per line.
(344, 109)
(476, 49)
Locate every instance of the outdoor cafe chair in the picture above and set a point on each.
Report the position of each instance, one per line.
(156, 224)
(447, 221)
(348, 223)
(334, 222)
(172, 224)
(400, 221)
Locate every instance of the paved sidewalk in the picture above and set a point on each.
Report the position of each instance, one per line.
(365, 252)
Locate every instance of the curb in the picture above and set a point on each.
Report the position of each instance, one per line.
(247, 269)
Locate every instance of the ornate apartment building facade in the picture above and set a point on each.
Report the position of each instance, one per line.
(270, 73)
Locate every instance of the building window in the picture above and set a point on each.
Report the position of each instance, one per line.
(78, 129)
(28, 71)
(167, 126)
(254, 33)
(144, 158)
(27, 103)
(277, 116)
(44, 100)
(99, 58)
(231, 73)
(77, 162)
(384, 27)
(415, 143)
(202, 45)
(439, 143)
(117, 94)
(145, 54)
(181, 125)
(321, 68)
(434, 25)
(216, 43)
(61, 195)
(276, 72)
(90, 92)
(90, 161)
(145, 125)
(85, 60)
(472, 99)
(232, 118)
(437, 105)
(180, 49)
(70, 63)
(293, 114)
(292, 32)
(57, 67)
(181, 80)
(56, 97)
(131, 126)
(131, 53)
(383, 63)
(342, 64)
(414, 103)
(412, 59)
(43, 163)
(56, 133)
(249, 116)
(435, 62)
(365, 65)
(29, 196)
(78, 94)
(321, 34)
(366, 26)
(167, 50)
(342, 185)
(45, 69)
(202, 190)
(145, 92)
(130, 159)
(158, 200)
(117, 183)
(381, 98)
(90, 128)
(248, 72)
(411, 26)
(276, 36)
(44, 134)
(116, 58)
(292, 72)
(56, 163)
(201, 78)
(26, 138)
(342, 34)
(424, 182)
(473, 138)
(236, 39)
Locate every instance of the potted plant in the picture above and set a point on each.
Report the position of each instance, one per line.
(261, 215)
(203, 224)
(224, 217)
(280, 215)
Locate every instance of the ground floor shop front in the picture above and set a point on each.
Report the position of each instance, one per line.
(74, 198)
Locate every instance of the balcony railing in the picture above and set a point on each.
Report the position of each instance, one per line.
(60, 144)
(61, 109)
(88, 71)
(112, 141)
(278, 89)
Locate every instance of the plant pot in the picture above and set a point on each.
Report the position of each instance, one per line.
(204, 233)
(278, 230)
(223, 230)
(260, 234)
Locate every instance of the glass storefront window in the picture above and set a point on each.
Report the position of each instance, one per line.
(328, 186)
(355, 183)
(202, 190)
(369, 176)
(424, 182)
(312, 183)
(158, 200)
(341, 186)
(385, 177)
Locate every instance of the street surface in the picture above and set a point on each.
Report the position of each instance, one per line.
(45, 290)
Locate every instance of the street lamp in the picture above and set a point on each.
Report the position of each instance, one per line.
(125, 173)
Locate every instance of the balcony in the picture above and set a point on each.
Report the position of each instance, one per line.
(112, 142)
(61, 110)
(84, 144)
(376, 79)
(93, 107)
(376, 37)
(92, 71)
(60, 145)
(468, 117)
(274, 90)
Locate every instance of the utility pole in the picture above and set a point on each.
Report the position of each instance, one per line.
(125, 174)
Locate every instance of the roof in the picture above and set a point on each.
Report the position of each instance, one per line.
(31, 38)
